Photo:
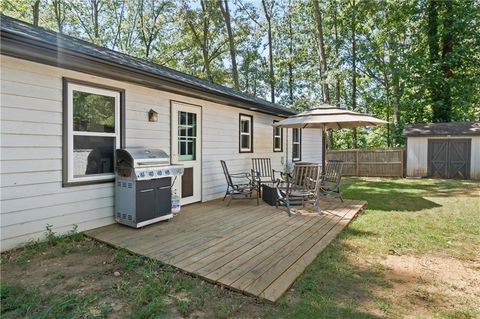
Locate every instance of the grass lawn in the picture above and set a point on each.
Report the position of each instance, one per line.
(414, 253)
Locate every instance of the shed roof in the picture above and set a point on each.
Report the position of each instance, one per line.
(23, 40)
(442, 129)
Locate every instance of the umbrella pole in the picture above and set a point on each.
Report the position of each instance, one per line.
(324, 149)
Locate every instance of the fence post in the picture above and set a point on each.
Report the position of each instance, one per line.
(356, 163)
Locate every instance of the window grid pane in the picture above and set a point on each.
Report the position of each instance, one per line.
(246, 133)
(187, 132)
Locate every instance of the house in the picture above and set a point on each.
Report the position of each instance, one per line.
(445, 150)
(62, 97)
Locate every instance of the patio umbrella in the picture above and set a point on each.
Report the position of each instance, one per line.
(328, 117)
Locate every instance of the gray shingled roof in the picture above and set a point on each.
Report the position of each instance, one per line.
(442, 129)
(28, 32)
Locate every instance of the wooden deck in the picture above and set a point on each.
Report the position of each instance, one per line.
(257, 250)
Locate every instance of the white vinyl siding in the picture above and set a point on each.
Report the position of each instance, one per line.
(32, 195)
(311, 145)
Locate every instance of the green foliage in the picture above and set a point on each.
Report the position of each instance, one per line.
(92, 112)
(409, 68)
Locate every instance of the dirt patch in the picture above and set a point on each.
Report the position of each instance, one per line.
(424, 284)
(91, 268)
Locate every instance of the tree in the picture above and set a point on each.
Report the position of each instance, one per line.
(321, 51)
(354, 67)
(268, 11)
(59, 9)
(203, 26)
(150, 22)
(36, 12)
(223, 5)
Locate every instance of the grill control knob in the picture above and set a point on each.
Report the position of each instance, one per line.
(159, 173)
(151, 173)
(142, 174)
(167, 172)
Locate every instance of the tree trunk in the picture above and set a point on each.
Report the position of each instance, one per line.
(337, 65)
(270, 51)
(434, 48)
(58, 8)
(321, 52)
(290, 58)
(36, 12)
(205, 44)
(231, 41)
(386, 83)
(96, 12)
(447, 48)
(354, 70)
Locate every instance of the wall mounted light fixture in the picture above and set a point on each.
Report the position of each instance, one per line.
(152, 116)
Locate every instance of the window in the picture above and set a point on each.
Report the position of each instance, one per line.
(277, 139)
(296, 144)
(246, 133)
(187, 136)
(91, 132)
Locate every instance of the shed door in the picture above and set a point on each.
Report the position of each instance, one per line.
(449, 158)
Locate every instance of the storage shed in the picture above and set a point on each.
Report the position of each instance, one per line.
(443, 150)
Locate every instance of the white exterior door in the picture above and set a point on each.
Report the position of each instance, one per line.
(186, 142)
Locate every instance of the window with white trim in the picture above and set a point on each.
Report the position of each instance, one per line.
(246, 133)
(277, 139)
(92, 119)
(296, 144)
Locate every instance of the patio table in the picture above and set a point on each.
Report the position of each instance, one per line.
(269, 192)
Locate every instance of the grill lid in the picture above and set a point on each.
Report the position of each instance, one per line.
(144, 153)
(136, 157)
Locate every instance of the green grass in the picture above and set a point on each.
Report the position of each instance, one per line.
(22, 302)
(403, 217)
(416, 216)
(65, 244)
(157, 287)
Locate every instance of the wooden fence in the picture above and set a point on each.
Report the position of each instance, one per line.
(370, 162)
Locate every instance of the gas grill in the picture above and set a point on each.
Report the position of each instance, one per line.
(143, 182)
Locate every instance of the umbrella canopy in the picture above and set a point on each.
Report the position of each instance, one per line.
(328, 117)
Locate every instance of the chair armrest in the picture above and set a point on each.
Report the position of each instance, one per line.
(274, 171)
(238, 175)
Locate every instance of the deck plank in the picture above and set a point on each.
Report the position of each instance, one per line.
(258, 250)
(284, 281)
(234, 256)
(288, 257)
(239, 235)
(266, 262)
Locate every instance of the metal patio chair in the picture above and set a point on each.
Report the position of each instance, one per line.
(262, 170)
(330, 184)
(301, 187)
(239, 185)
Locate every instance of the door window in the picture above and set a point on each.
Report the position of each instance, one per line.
(187, 136)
